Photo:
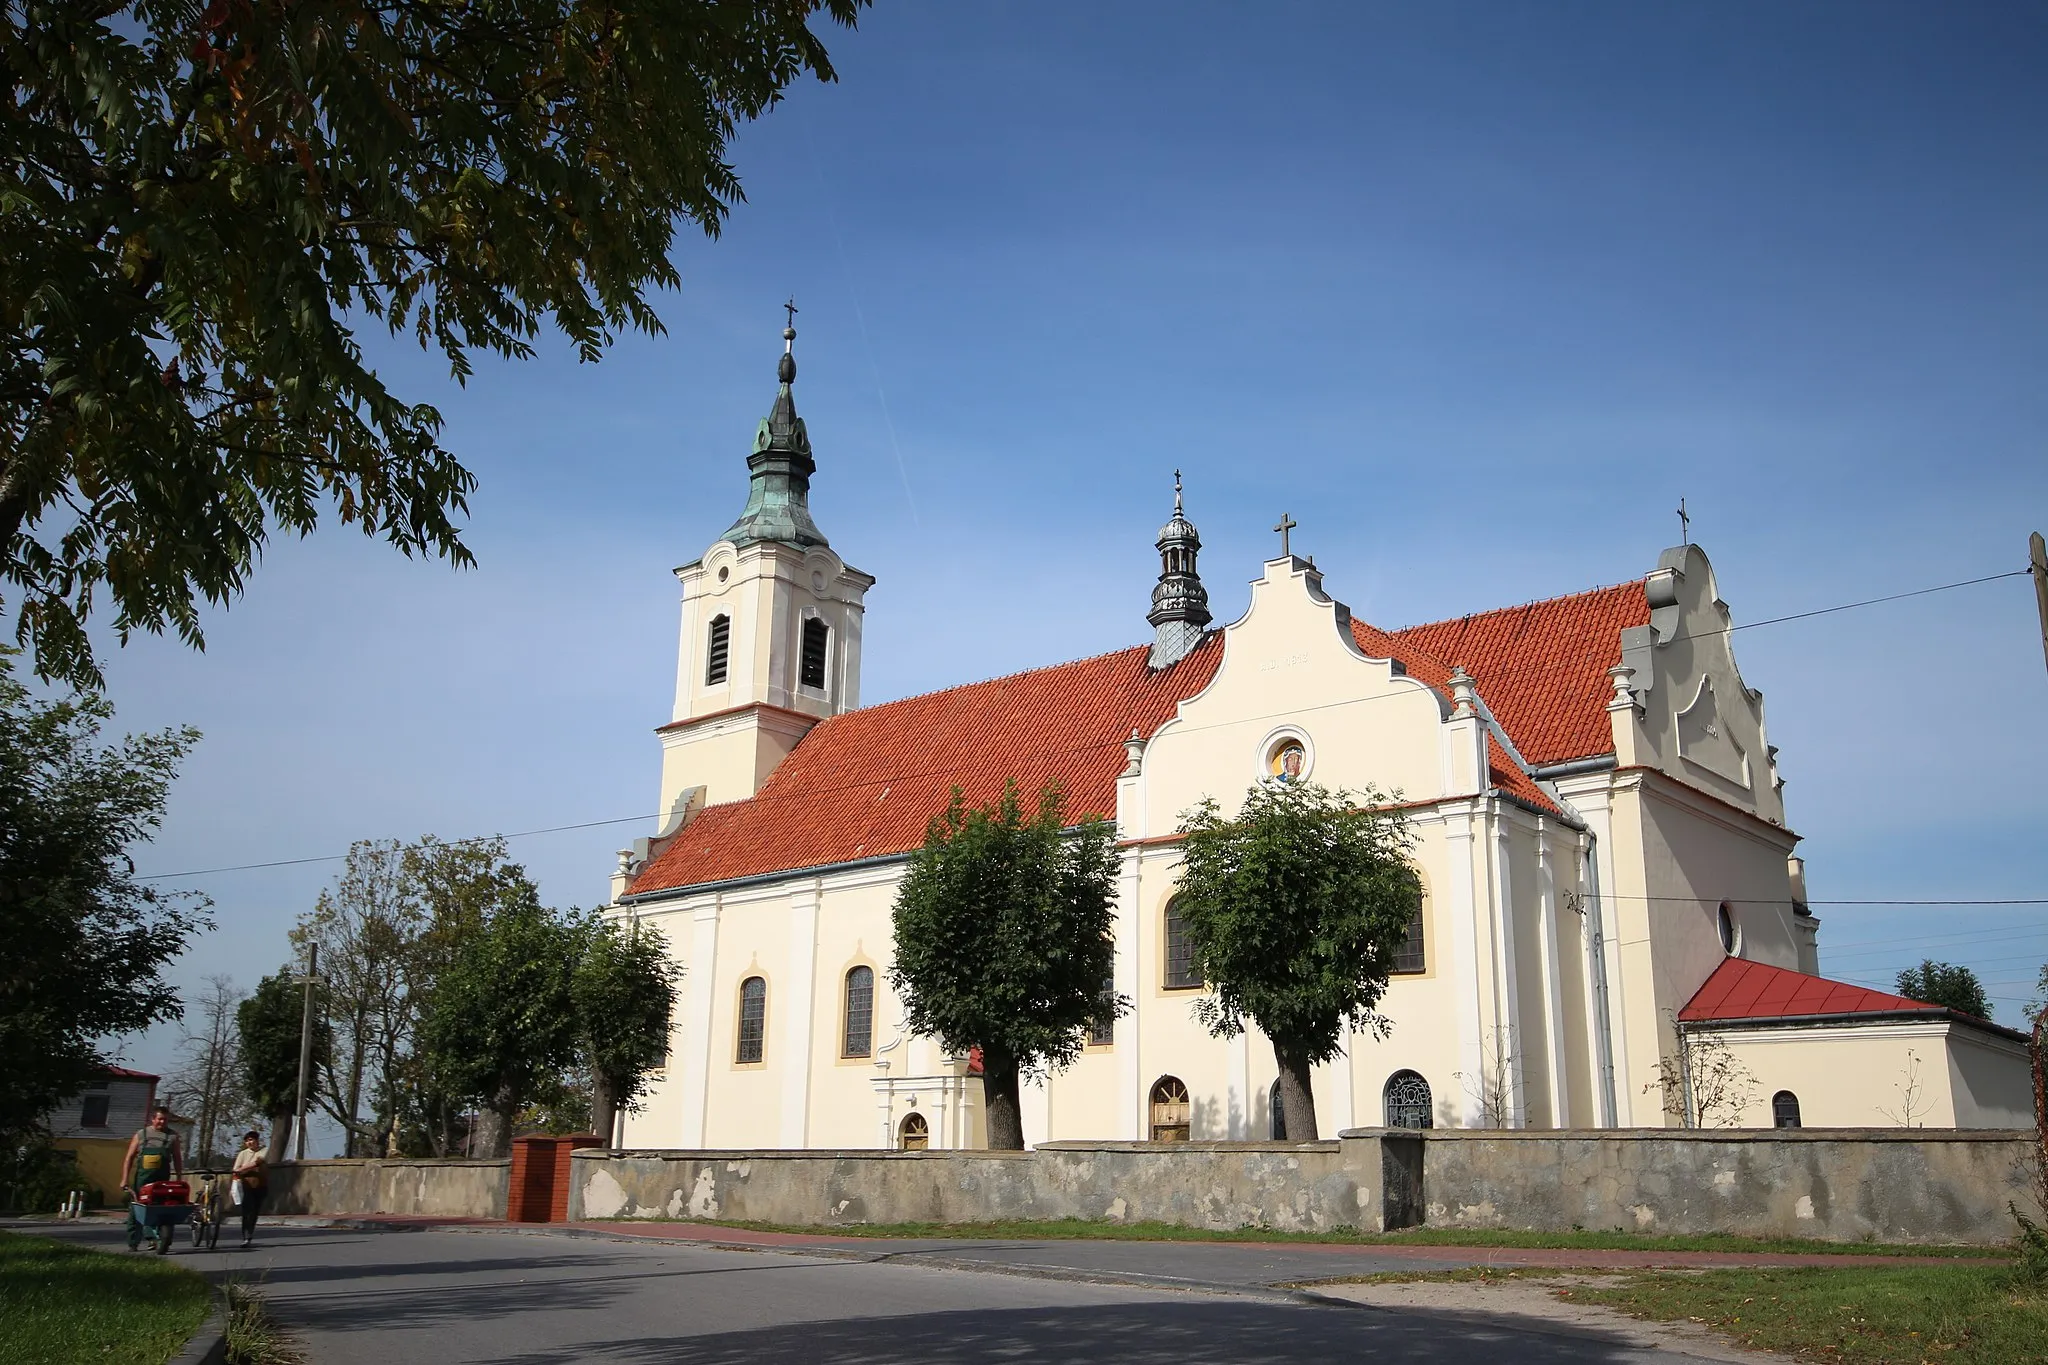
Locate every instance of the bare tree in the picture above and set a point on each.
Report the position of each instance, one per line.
(1493, 1090)
(1912, 1107)
(207, 1083)
(367, 925)
(1704, 1084)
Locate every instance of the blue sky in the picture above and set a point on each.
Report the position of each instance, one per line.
(1476, 292)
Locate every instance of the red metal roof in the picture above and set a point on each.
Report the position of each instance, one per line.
(1542, 668)
(122, 1073)
(1740, 989)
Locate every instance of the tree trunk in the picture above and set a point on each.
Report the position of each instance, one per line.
(999, 1102)
(280, 1137)
(604, 1110)
(1297, 1101)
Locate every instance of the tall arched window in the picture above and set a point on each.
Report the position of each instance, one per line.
(1279, 1113)
(1411, 958)
(1170, 1110)
(1102, 1028)
(1180, 952)
(860, 1013)
(1784, 1110)
(1408, 1101)
(716, 649)
(914, 1134)
(816, 636)
(753, 1030)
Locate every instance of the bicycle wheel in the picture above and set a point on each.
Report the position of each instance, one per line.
(198, 1232)
(212, 1233)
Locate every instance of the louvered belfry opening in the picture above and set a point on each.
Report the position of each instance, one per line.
(716, 650)
(816, 636)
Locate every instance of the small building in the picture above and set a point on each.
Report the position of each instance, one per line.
(1816, 1053)
(95, 1125)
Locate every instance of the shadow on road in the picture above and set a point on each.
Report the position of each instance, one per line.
(1166, 1333)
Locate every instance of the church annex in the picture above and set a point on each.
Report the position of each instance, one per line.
(1599, 821)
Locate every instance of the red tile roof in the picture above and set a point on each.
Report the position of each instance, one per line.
(1541, 668)
(1740, 989)
(866, 783)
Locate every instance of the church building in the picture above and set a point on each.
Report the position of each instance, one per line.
(1612, 896)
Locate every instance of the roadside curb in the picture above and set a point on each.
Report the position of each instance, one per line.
(209, 1345)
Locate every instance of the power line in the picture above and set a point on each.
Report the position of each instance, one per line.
(343, 857)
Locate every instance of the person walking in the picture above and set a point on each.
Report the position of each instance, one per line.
(154, 1153)
(252, 1179)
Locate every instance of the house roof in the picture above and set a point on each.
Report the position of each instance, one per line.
(1741, 989)
(1542, 667)
(122, 1073)
(866, 783)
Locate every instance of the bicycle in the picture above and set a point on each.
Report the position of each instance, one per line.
(209, 1209)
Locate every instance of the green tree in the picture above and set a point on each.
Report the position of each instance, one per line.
(270, 1023)
(85, 940)
(625, 995)
(1294, 912)
(1943, 983)
(1002, 929)
(205, 197)
(504, 1023)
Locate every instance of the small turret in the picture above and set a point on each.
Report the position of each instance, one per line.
(779, 471)
(1180, 604)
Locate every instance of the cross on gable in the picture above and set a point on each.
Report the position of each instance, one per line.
(1285, 525)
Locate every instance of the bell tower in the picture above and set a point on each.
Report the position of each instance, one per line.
(771, 626)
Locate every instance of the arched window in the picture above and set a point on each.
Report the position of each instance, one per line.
(1279, 1112)
(1180, 952)
(860, 1013)
(753, 1030)
(1410, 958)
(1170, 1110)
(1784, 1110)
(914, 1134)
(1408, 1101)
(1731, 932)
(716, 649)
(816, 635)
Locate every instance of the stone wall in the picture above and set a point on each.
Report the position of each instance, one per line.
(1200, 1184)
(444, 1189)
(1891, 1185)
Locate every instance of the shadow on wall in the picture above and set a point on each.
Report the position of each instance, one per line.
(1148, 1333)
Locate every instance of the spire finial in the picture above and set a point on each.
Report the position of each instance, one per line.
(785, 369)
(1176, 492)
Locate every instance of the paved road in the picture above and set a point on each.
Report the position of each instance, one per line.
(384, 1298)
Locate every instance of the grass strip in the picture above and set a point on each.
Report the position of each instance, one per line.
(1856, 1315)
(62, 1304)
(254, 1338)
(1576, 1240)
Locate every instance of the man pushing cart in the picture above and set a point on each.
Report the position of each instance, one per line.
(158, 1199)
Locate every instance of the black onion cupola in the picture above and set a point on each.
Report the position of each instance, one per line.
(1180, 604)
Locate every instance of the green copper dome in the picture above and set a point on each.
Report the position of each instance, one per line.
(779, 471)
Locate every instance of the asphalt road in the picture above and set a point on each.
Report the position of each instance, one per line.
(384, 1298)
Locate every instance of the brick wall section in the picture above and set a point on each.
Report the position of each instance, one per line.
(538, 1189)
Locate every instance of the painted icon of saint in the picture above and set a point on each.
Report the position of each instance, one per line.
(1287, 761)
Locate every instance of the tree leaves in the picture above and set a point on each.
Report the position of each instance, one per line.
(86, 941)
(201, 200)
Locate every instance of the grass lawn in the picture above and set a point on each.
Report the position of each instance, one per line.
(62, 1304)
(1578, 1240)
(1857, 1315)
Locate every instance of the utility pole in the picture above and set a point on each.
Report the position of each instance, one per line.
(311, 977)
(2037, 559)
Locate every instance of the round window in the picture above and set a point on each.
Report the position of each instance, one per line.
(1286, 757)
(1731, 932)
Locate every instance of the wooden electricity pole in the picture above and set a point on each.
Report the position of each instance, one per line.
(2037, 559)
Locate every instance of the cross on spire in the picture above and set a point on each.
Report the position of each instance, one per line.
(1684, 524)
(1176, 492)
(790, 308)
(1285, 525)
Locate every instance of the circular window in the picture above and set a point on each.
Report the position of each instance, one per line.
(724, 574)
(1731, 932)
(1286, 757)
(817, 581)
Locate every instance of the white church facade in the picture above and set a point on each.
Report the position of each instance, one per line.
(1599, 828)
